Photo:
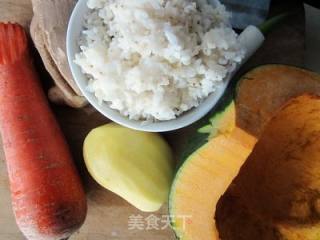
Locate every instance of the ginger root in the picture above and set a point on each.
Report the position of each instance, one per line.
(48, 31)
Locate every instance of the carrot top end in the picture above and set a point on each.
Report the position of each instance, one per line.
(13, 43)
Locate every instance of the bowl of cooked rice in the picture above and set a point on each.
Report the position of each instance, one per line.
(153, 65)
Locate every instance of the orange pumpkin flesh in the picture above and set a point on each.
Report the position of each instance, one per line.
(203, 179)
(280, 181)
(207, 174)
(263, 90)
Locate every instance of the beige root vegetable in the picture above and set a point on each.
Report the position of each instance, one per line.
(48, 31)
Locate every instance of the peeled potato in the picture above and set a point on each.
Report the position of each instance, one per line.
(138, 166)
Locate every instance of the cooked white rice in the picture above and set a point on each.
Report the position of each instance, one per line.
(155, 59)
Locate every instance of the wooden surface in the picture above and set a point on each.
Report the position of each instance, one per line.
(108, 215)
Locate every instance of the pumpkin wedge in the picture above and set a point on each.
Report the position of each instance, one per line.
(207, 174)
(279, 184)
(264, 89)
(285, 164)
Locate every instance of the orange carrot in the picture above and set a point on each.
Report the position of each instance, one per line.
(47, 196)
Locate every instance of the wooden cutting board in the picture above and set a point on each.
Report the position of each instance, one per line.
(110, 217)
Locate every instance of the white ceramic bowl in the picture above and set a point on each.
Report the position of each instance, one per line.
(74, 29)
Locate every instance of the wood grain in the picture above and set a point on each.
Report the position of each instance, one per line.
(108, 214)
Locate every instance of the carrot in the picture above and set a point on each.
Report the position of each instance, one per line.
(47, 196)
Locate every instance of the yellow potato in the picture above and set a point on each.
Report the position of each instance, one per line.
(138, 166)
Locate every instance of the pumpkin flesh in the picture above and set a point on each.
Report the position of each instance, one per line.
(208, 173)
(202, 179)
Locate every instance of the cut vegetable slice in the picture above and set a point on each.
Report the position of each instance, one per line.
(280, 181)
(204, 177)
(291, 137)
(207, 173)
(278, 187)
(264, 89)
